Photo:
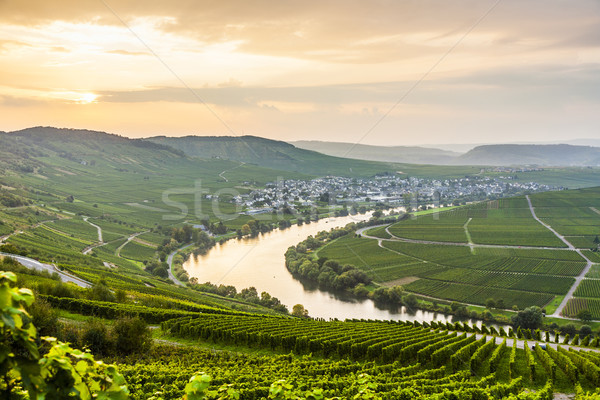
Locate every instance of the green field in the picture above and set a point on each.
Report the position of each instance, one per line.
(504, 222)
(520, 261)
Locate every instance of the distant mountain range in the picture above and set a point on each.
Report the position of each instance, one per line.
(316, 158)
(492, 154)
(531, 154)
(398, 154)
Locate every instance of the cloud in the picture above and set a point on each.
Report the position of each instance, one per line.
(128, 53)
(494, 93)
(6, 45)
(15, 101)
(338, 31)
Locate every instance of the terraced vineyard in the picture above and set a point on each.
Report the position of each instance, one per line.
(402, 360)
(511, 258)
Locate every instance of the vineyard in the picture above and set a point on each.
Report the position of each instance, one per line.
(512, 259)
(398, 359)
(577, 304)
(508, 223)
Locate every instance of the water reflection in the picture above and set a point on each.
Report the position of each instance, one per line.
(259, 262)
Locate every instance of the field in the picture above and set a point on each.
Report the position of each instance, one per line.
(511, 257)
(504, 222)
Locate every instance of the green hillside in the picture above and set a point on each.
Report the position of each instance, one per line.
(272, 154)
(488, 251)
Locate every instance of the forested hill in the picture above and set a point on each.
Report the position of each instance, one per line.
(272, 154)
(522, 154)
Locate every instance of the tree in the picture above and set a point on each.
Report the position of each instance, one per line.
(490, 303)
(530, 318)
(246, 230)
(500, 304)
(585, 315)
(132, 335)
(410, 301)
(299, 311)
(596, 240)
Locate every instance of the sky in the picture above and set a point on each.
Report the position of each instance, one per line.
(373, 72)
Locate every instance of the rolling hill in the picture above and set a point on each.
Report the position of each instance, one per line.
(523, 154)
(397, 154)
(272, 154)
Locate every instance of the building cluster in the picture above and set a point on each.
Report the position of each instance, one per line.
(389, 189)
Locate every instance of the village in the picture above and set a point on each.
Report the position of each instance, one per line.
(392, 190)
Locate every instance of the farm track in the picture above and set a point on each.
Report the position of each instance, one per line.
(88, 249)
(170, 263)
(36, 225)
(466, 228)
(556, 314)
(222, 176)
(578, 278)
(129, 239)
(86, 219)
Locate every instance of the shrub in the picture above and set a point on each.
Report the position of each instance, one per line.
(132, 335)
(95, 337)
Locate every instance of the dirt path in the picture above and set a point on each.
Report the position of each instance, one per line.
(129, 239)
(170, 262)
(466, 228)
(579, 277)
(88, 249)
(230, 169)
(95, 226)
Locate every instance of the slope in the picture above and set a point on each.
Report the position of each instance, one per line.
(398, 154)
(522, 154)
(272, 154)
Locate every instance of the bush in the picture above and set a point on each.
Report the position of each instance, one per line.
(132, 335)
(95, 337)
(44, 317)
(101, 292)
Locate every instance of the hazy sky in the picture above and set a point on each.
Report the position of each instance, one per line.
(343, 70)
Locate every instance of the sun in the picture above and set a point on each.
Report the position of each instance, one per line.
(87, 98)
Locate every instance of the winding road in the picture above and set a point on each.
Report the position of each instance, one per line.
(170, 263)
(95, 226)
(129, 239)
(34, 264)
(230, 169)
(578, 278)
(88, 249)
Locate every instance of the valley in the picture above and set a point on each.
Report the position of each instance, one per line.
(392, 278)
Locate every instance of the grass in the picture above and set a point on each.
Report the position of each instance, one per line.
(517, 275)
(505, 222)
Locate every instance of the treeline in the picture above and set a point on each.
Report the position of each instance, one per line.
(329, 274)
(249, 295)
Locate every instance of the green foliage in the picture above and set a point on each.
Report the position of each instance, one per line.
(530, 318)
(61, 372)
(131, 335)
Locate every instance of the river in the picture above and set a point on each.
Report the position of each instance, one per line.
(260, 262)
